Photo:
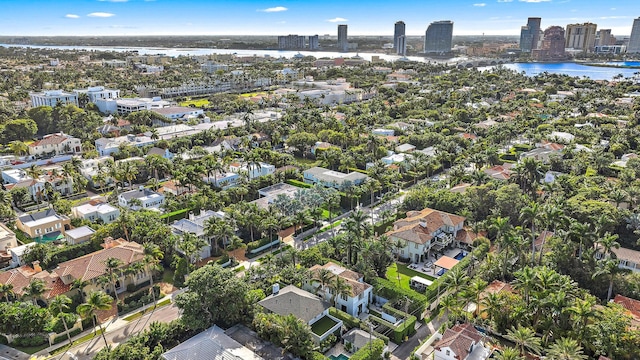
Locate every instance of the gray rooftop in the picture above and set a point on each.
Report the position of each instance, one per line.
(37, 216)
(359, 338)
(211, 344)
(330, 176)
(292, 300)
(195, 224)
(138, 194)
(80, 232)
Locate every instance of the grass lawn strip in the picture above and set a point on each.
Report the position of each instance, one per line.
(323, 325)
(405, 275)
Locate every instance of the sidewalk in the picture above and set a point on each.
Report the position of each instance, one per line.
(109, 327)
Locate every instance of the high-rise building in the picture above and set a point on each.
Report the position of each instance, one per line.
(439, 37)
(552, 47)
(402, 45)
(398, 30)
(634, 40)
(343, 43)
(314, 43)
(530, 34)
(604, 38)
(291, 42)
(581, 36)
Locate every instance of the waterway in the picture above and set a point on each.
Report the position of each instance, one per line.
(530, 69)
(573, 69)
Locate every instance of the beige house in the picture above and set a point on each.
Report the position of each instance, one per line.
(45, 225)
(91, 266)
(57, 143)
(7, 241)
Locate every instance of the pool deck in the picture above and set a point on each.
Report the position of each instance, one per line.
(426, 267)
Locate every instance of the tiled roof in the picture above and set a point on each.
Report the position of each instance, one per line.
(632, 305)
(22, 276)
(418, 226)
(496, 287)
(351, 277)
(292, 300)
(54, 139)
(467, 236)
(92, 265)
(459, 339)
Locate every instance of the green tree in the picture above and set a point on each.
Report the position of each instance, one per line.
(97, 301)
(566, 349)
(59, 307)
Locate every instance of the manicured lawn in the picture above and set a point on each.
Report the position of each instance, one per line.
(196, 103)
(32, 349)
(247, 95)
(306, 162)
(323, 325)
(405, 275)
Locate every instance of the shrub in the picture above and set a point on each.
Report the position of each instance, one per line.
(317, 356)
(63, 337)
(348, 320)
(369, 352)
(299, 184)
(390, 290)
(29, 341)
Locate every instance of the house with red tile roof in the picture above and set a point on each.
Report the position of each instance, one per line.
(500, 172)
(461, 342)
(632, 306)
(426, 230)
(355, 302)
(59, 143)
(20, 278)
(92, 266)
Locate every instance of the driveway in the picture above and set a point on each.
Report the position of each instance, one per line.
(7, 352)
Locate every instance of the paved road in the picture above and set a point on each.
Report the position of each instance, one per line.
(88, 350)
(7, 352)
(404, 350)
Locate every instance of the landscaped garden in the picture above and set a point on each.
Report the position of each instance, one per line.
(405, 274)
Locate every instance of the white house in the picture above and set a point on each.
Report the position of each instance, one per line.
(179, 112)
(95, 93)
(355, 302)
(428, 230)
(330, 178)
(13, 176)
(223, 180)
(96, 210)
(383, 132)
(148, 199)
(7, 241)
(627, 258)
(196, 225)
(56, 143)
(18, 252)
(79, 235)
(252, 170)
(211, 344)
(52, 97)
(461, 342)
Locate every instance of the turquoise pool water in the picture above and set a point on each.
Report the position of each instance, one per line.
(339, 357)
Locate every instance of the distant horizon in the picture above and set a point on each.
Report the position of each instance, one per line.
(260, 18)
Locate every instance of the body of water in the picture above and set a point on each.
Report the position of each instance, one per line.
(571, 69)
(530, 69)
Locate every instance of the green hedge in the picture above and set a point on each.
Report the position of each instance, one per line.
(61, 338)
(373, 352)
(391, 291)
(175, 215)
(317, 356)
(348, 320)
(364, 327)
(299, 184)
(407, 328)
(258, 243)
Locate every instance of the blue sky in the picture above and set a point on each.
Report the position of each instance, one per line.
(248, 17)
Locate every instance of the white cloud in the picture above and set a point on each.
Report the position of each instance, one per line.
(101, 14)
(534, 1)
(72, 16)
(480, 4)
(274, 9)
(338, 19)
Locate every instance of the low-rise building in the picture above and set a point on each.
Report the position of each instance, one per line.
(461, 342)
(211, 344)
(58, 144)
(44, 225)
(142, 198)
(179, 112)
(79, 235)
(96, 210)
(627, 258)
(7, 241)
(18, 252)
(196, 225)
(252, 170)
(95, 93)
(355, 302)
(334, 179)
(52, 97)
(424, 231)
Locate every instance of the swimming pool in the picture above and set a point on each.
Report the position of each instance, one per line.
(339, 357)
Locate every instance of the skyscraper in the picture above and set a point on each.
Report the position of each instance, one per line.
(343, 43)
(634, 40)
(530, 34)
(314, 43)
(438, 38)
(402, 45)
(398, 30)
(604, 37)
(291, 42)
(581, 36)
(552, 47)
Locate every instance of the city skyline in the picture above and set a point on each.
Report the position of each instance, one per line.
(250, 17)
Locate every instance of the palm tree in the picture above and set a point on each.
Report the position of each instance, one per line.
(608, 267)
(58, 307)
(152, 257)
(220, 230)
(18, 147)
(34, 290)
(530, 215)
(33, 171)
(338, 287)
(191, 246)
(524, 337)
(581, 312)
(96, 301)
(324, 276)
(566, 349)
(509, 353)
(112, 264)
(79, 284)
(525, 281)
(6, 290)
